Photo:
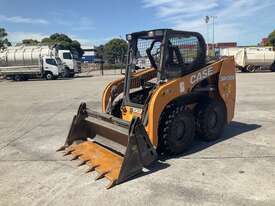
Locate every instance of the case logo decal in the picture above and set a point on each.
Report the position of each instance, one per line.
(196, 78)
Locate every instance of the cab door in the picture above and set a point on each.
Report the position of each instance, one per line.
(67, 59)
(51, 66)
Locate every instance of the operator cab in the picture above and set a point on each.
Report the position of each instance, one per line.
(170, 53)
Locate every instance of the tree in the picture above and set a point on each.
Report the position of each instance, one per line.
(62, 41)
(47, 41)
(30, 42)
(4, 42)
(75, 45)
(100, 51)
(115, 50)
(271, 39)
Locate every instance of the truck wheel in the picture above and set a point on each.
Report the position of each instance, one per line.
(49, 76)
(210, 119)
(273, 67)
(17, 78)
(243, 69)
(66, 73)
(251, 68)
(177, 132)
(25, 77)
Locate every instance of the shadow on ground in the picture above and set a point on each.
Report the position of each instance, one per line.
(84, 76)
(231, 130)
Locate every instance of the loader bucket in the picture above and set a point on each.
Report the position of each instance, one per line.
(114, 148)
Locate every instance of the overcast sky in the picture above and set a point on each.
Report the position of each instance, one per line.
(95, 22)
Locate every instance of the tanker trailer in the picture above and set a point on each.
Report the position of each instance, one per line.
(25, 62)
(251, 59)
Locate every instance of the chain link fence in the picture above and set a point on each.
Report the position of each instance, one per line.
(97, 69)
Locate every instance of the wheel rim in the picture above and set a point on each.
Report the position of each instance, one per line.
(251, 68)
(180, 129)
(49, 76)
(212, 120)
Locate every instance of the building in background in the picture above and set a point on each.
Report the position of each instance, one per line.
(218, 46)
(89, 54)
(222, 45)
(264, 42)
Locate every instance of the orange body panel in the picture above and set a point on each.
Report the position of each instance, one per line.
(227, 86)
(107, 91)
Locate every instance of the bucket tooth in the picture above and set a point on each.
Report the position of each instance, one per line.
(61, 148)
(82, 163)
(75, 157)
(91, 168)
(101, 175)
(68, 152)
(111, 184)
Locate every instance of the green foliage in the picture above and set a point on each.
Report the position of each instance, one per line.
(62, 41)
(100, 52)
(271, 39)
(30, 42)
(115, 51)
(4, 42)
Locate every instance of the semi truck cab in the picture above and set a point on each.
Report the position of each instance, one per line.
(72, 65)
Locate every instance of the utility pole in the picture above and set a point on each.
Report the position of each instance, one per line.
(213, 31)
(206, 19)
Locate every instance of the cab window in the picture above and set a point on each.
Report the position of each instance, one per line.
(67, 56)
(181, 55)
(51, 62)
(182, 50)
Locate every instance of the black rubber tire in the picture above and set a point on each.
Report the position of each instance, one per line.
(49, 76)
(176, 130)
(116, 111)
(251, 68)
(17, 78)
(25, 78)
(273, 67)
(66, 73)
(243, 69)
(72, 75)
(210, 119)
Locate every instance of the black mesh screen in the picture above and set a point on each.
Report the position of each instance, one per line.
(186, 47)
(141, 55)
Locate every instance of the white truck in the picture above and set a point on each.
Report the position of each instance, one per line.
(47, 67)
(71, 63)
(251, 59)
(24, 62)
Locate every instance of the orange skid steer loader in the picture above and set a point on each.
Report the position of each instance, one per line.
(169, 94)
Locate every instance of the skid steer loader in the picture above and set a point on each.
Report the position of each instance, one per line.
(169, 94)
